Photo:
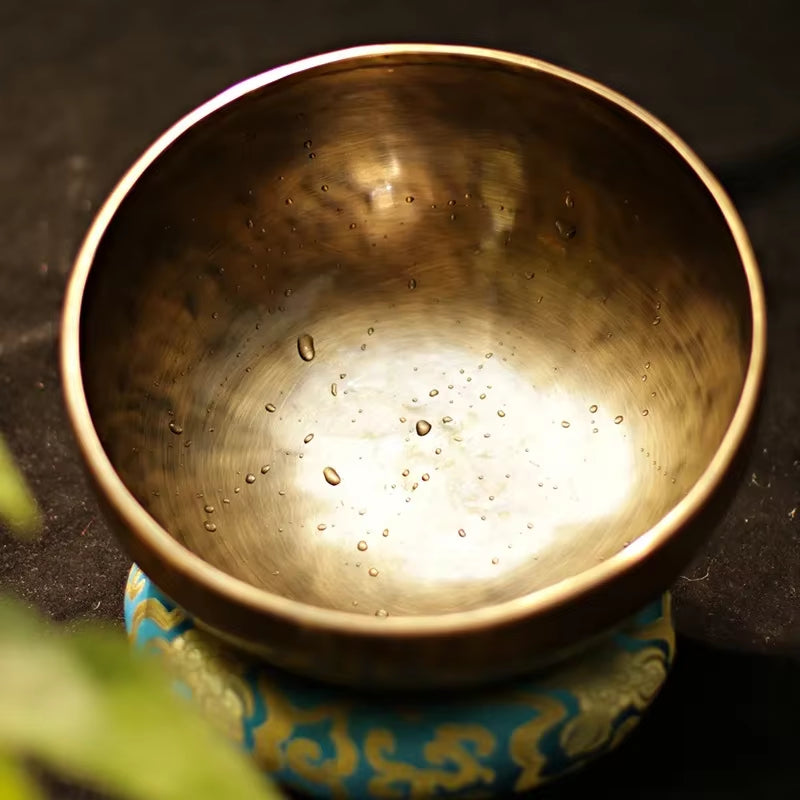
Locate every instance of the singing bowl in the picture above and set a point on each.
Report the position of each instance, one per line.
(411, 365)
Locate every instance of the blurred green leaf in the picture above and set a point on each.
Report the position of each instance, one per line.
(82, 705)
(17, 507)
(15, 783)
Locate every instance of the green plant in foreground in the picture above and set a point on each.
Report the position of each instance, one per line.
(82, 705)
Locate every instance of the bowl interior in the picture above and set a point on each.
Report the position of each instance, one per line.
(530, 331)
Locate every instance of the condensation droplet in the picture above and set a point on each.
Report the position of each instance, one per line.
(593, 408)
(438, 451)
(645, 412)
(565, 229)
(426, 476)
(462, 533)
(175, 428)
(618, 419)
(353, 226)
(409, 198)
(324, 187)
(265, 469)
(657, 321)
(334, 389)
(529, 275)
(381, 612)
(569, 202)
(305, 346)
(307, 144)
(373, 573)
(530, 526)
(423, 427)
(495, 560)
(483, 396)
(412, 284)
(249, 478)
(209, 526)
(402, 419)
(385, 531)
(564, 423)
(270, 407)
(332, 476)
(289, 201)
(308, 438)
(215, 315)
(433, 392)
(447, 419)
(362, 545)
(363, 347)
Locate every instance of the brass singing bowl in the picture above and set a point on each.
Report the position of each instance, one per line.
(306, 273)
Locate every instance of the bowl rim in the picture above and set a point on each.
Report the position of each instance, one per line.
(156, 540)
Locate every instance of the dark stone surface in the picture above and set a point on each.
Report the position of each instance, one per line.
(86, 85)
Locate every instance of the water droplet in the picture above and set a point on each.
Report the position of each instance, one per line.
(363, 347)
(215, 315)
(569, 202)
(438, 451)
(433, 392)
(565, 229)
(250, 478)
(308, 438)
(593, 408)
(209, 526)
(265, 469)
(409, 198)
(447, 419)
(312, 155)
(495, 560)
(332, 476)
(530, 526)
(656, 321)
(462, 533)
(402, 419)
(426, 476)
(362, 545)
(322, 526)
(594, 430)
(423, 427)
(412, 284)
(658, 305)
(281, 492)
(618, 419)
(370, 331)
(307, 144)
(324, 187)
(487, 435)
(305, 346)
(270, 407)
(289, 201)
(175, 428)
(652, 394)
(564, 423)
(647, 365)
(529, 275)
(645, 412)
(209, 509)
(385, 532)
(373, 572)
(381, 612)
(226, 501)
(483, 396)
(489, 355)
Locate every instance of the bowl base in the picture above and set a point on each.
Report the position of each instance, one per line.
(324, 741)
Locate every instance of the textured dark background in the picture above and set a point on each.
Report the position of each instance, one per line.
(86, 85)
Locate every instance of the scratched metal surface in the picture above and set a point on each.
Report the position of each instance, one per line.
(85, 86)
